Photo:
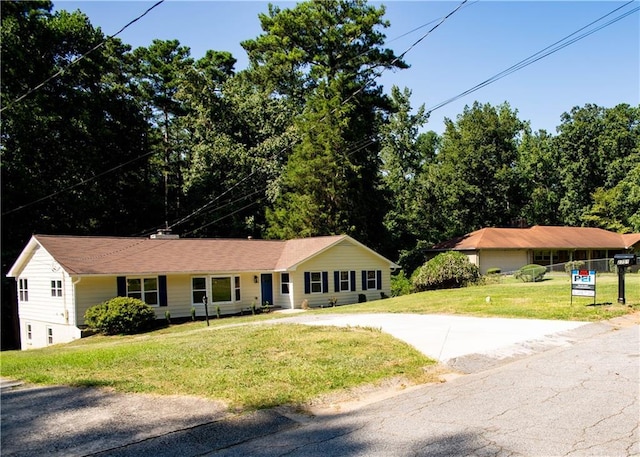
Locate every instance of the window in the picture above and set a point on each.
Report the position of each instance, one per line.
(145, 289)
(316, 282)
(344, 281)
(220, 289)
(237, 286)
(542, 256)
(284, 283)
(23, 290)
(56, 288)
(371, 280)
(198, 290)
(49, 335)
(29, 332)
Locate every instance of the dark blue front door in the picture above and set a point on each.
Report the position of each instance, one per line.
(266, 281)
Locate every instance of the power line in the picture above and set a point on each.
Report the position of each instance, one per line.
(451, 13)
(289, 146)
(379, 73)
(558, 45)
(78, 59)
(84, 181)
(224, 217)
(366, 143)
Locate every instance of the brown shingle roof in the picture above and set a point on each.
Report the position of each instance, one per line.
(109, 255)
(540, 237)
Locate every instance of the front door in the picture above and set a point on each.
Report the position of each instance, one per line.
(266, 285)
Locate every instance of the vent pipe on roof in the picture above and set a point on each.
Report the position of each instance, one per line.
(164, 234)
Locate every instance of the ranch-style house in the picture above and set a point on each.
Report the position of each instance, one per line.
(59, 277)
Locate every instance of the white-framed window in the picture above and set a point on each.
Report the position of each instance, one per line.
(344, 279)
(284, 283)
(316, 282)
(23, 289)
(372, 279)
(236, 282)
(49, 335)
(221, 289)
(56, 288)
(29, 332)
(145, 289)
(198, 290)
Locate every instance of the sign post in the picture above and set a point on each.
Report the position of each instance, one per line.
(583, 284)
(206, 309)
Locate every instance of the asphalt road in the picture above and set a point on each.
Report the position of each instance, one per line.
(581, 397)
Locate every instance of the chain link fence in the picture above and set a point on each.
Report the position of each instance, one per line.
(607, 265)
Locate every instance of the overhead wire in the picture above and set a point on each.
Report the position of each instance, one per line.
(55, 75)
(552, 48)
(366, 142)
(78, 59)
(84, 181)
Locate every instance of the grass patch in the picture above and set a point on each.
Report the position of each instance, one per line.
(548, 299)
(245, 366)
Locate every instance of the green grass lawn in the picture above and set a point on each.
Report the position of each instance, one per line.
(259, 366)
(508, 297)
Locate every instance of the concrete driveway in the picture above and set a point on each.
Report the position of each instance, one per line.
(457, 339)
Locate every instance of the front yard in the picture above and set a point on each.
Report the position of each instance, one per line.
(260, 366)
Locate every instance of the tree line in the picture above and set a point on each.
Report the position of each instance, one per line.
(303, 142)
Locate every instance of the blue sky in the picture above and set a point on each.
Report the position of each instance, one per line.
(477, 42)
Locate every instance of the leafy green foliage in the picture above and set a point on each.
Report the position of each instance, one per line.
(574, 265)
(493, 271)
(324, 55)
(530, 273)
(480, 185)
(447, 270)
(400, 284)
(598, 148)
(304, 142)
(121, 315)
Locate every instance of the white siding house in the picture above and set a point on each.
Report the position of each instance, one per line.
(60, 277)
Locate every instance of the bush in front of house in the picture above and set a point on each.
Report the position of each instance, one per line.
(120, 315)
(574, 265)
(530, 273)
(400, 284)
(447, 270)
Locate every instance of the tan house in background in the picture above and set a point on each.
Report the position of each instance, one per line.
(511, 248)
(60, 277)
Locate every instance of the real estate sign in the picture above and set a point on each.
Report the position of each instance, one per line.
(583, 283)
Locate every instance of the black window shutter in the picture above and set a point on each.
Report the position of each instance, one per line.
(364, 280)
(307, 282)
(336, 281)
(353, 281)
(162, 290)
(325, 282)
(122, 286)
(379, 279)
